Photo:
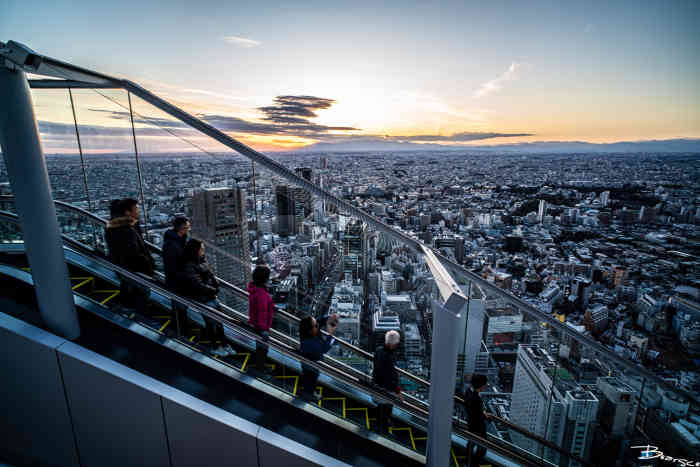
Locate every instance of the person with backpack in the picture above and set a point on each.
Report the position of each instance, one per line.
(261, 310)
(174, 241)
(313, 345)
(197, 282)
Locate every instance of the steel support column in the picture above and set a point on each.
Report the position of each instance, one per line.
(443, 375)
(26, 167)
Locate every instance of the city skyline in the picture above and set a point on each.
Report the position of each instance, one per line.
(282, 78)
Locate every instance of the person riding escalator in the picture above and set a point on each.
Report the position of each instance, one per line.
(196, 281)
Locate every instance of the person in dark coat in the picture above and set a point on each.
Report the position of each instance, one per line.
(476, 416)
(385, 375)
(313, 345)
(197, 282)
(261, 310)
(128, 250)
(174, 241)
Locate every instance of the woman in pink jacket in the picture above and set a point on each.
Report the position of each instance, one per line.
(260, 313)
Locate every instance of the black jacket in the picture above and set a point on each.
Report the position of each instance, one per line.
(126, 246)
(384, 373)
(476, 418)
(196, 281)
(173, 249)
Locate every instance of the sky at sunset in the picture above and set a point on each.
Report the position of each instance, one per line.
(455, 73)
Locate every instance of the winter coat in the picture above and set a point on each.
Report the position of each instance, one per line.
(261, 309)
(173, 249)
(476, 417)
(126, 246)
(196, 281)
(313, 348)
(385, 374)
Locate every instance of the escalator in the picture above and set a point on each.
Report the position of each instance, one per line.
(163, 344)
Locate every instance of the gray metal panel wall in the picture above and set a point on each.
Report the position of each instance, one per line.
(201, 434)
(32, 402)
(117, 421)
(275, 450)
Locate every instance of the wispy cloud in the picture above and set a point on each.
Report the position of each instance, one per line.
(496, 84)
(242, 41)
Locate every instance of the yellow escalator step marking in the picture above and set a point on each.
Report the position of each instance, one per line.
(361, 409)
(132, 315)
(161, 317)
(164, 326)
(454, 458)
(192, 338)
(410, 434)
(27, 269)
(82, 283)
(111, 297)
(245, 362)
(296, 381)
(342, 399)
(106, 291)
(420, 438)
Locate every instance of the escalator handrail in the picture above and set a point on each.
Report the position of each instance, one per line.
(460, 428)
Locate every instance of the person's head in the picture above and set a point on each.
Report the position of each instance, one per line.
(261, 274)
(115, 208)
(392, 339)
(194, 250)
(308, 327)
(479, 382)
(181, 225)
(130, 207)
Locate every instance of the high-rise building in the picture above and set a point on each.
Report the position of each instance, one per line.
(355, 249)
(471, 329)
(219, 218)
(303, 197)
(286, 211)
(542, 210)
(548, 402)
(605, 198)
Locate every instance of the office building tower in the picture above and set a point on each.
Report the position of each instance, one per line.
(542, 210)
(219, 218)
(285, 197)
(355, 249)
(619, 406)
(303, 197)
(548, 402)
(471, 329)
(605, 198)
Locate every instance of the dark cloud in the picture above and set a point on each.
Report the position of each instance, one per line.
(289, 116)
(295, 108)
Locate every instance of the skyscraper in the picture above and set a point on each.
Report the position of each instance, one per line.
(302, 196)
(286, 211)
(542, 210)
(355, 249)
(219, 218)
(548, 402)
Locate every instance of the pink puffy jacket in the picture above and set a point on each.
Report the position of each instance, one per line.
(261, 308)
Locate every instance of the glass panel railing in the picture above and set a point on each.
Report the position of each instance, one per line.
(327, 260)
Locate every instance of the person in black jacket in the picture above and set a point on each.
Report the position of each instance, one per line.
(385, 375)
(196, 281)
(476, 416)
(313, 345)
(128, 250)
(174, 241)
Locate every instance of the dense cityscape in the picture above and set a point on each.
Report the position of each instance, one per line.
(606, 243)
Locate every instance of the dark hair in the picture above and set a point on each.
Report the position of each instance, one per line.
(479, 381)
(191, 252)
(179, 222)
(306, 327)
(261, 274)
(115, 208)
(128, 204)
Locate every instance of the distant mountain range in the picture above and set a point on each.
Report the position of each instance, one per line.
(378, 144)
